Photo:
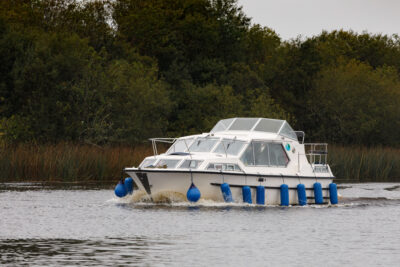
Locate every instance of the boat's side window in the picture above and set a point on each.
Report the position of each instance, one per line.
(190, 164)
(230, 167)
(260, 153)
(277, 155)
(167, 163)
(248, 156)
(218, 167)
(224, 167)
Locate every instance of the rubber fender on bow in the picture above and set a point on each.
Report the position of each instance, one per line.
(129, 185)
(120, 189)
(193, 194)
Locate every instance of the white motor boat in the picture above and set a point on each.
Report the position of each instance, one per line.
(254, 160)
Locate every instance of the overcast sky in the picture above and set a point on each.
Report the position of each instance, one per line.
(290, 18)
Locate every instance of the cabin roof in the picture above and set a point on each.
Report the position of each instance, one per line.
(280, 127)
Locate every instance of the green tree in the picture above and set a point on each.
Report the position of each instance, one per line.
(140, 104)
(356, 104)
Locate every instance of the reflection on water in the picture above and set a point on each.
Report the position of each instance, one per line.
(58, 252)
(53, 225)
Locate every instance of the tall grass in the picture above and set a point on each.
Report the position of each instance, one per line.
(72, 162)
(68, 162)
(362, 164)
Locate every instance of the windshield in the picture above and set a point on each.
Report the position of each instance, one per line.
(180, 145)
(203, 144)
(230, 146)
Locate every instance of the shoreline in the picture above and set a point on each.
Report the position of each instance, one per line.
(80, 163)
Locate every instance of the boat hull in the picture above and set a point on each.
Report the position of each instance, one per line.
(156, 182)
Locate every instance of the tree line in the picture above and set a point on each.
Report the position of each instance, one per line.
(121, 71)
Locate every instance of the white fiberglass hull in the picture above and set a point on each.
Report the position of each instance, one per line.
(159, 182)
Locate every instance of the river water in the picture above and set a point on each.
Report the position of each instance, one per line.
(44, 225)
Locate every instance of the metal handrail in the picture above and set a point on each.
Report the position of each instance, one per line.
(161, 140)
(317, 151)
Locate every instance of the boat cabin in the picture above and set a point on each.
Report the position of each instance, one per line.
(239, 145)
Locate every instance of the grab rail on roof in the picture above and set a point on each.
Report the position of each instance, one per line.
(166, 140)
(161, 140)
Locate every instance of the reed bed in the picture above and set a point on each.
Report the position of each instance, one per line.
(363, 164)
(67, 162)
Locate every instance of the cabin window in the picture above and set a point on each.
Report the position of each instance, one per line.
(277, 155)
(148, 163)
(264, 154)
(167, 163)
(203, 144)
(248, 156)
(180, 145)
(261, 154)
(232, 147)
(190, 164)
(224, 167)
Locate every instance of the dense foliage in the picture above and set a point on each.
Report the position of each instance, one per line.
(124, 70)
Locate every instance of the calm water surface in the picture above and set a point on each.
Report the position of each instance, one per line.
(52, 226)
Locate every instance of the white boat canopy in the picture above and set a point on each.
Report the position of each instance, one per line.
(280, 127)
